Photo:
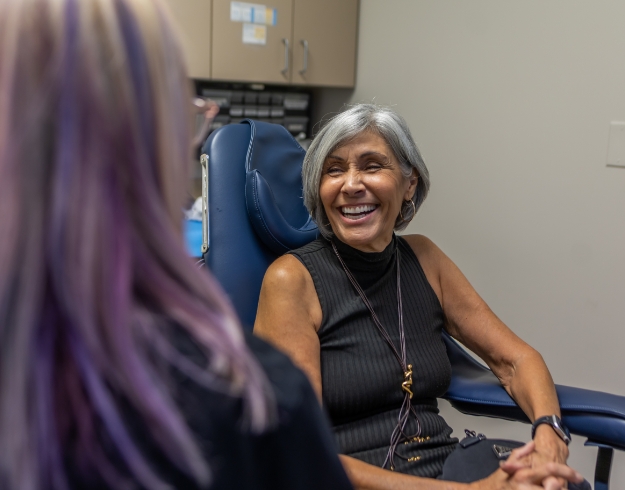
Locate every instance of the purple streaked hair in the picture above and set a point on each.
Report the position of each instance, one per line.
(94, 149)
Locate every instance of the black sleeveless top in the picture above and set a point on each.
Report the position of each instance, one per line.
(361, 377)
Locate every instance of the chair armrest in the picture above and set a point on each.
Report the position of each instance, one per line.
(475, 390)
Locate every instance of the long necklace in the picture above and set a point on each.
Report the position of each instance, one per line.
(398, 434)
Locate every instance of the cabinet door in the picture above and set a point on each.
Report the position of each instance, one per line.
(330, 29)
(194, 24)
(234, 59)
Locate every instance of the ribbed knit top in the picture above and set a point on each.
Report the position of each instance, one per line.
(361, 378)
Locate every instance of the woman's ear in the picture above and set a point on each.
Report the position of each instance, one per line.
(413, 180)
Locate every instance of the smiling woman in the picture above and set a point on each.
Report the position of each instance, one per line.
(362, 310)
(390, 139)
(362, 190)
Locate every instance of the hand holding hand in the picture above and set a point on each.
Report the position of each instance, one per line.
(522, 472)
(548, 448)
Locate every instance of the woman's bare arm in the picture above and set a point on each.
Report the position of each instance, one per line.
(520, 368)
(289, 315)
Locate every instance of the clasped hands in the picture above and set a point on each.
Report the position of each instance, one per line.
(539, 464)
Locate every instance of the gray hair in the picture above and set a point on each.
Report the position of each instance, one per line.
(344, 127)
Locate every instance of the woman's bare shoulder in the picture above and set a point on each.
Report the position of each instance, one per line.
(423, 247)
(287, 273)
(288, 292)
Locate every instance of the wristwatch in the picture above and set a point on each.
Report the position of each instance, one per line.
(557, 425)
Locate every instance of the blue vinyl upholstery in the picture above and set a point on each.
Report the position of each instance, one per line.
(475, 390)
(276, 210)
(256, 214)
(255, 190)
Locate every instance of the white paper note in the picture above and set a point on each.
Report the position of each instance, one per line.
(253, 13)
(254, 34)
(259, 15)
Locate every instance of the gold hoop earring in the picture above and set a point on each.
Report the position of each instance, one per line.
(414, 211)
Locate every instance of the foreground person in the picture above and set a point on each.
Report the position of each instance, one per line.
(122, 365)
(361, 311)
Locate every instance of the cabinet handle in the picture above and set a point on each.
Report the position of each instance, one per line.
(285, 71)
(305, 68)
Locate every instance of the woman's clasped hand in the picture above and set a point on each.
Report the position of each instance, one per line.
(361, 310)
(518, 472)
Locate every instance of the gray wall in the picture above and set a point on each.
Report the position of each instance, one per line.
(510, 103)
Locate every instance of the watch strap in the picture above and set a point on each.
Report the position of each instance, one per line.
(556, 423)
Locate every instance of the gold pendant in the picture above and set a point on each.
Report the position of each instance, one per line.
(418, 439)
(407, 381)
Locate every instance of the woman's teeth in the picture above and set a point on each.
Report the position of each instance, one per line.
(357, 212)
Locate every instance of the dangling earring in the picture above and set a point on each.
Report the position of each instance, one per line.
(414, 211)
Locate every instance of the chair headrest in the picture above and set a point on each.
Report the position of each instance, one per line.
(273, 188)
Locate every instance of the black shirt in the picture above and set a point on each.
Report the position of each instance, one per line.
(361, 378)
(299, 453)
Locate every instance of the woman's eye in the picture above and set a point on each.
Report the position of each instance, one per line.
(333, 170)
(373, 166)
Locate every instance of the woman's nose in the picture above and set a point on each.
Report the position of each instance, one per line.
(353, 182)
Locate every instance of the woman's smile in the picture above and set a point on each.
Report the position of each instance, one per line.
(362, 190)
(358, 212)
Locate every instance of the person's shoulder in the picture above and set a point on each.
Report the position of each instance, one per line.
(290, 272)
(430, 257)
(310, 248)
(288, 300)
(287, 274)
(284, 461)
(418, 242)
(273, 458)
(422, 246)
(287, 381)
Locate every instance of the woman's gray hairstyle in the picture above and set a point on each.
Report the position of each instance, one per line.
(346, 126)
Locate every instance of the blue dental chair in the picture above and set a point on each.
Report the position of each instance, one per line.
(254, 192)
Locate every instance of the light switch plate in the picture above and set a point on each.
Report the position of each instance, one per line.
(616, 144)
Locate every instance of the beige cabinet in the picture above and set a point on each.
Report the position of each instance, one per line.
(324, 42)
(194, 21)
(236, 60)
(312, 42)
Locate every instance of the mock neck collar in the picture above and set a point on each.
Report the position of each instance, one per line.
(367, 267)
(371, 257)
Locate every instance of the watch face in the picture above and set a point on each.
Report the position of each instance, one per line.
(560, 429)
(560, 432)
